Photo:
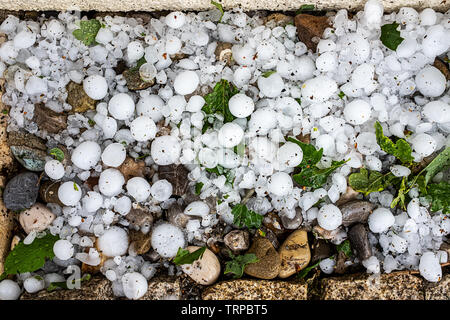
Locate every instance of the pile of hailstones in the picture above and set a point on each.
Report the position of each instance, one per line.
(378, 84)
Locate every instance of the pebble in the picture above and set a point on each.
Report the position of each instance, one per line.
(78, 99)
(48, 192)
(358, 236)
(37, 218)
(28, 149)
(21, 191)
(135, 82)
(269, 263)
(294, 253)
(49, 120)
(140, 241)
(237, 241)
(204, 271)
(356, 211)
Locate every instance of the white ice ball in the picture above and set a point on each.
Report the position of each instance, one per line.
(134, 285)
(150, 106)
(135, 50)
(63, 249)
(114, 154)
(54, 169)
(86, 155)
(196, 103)
(173, 44)
(34, 284)
(430, 267)
(104, 35)
(69, 193)
(186, 82)
(92, 201)
(430, 82)
(55, 29)
(165, 150)
(272, 86)
(424, 144)
(290, 154)
(123, 205)
(230, 135)
(121, 106)
(318, 89)
(175, 19)
(262, 121)
(138, 188)
(357, 112)
(327, 265)
(161, 190)
(380, 220)
(241, 106)
(437, 111)
(110, 182)
(329, 217)
(167, 239)
(197, 208)
(9, 290)
(95, 87)
(114, 242)
(24, 39)
(280, 184)
(143, 128)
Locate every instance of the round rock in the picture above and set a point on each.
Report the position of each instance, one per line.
(21, 191)
(37, 218)
(294, 253)
(204, 271)
(269, 263)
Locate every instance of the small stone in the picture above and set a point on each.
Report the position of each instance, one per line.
(78, 99)
(49, 120)
(269, 263)
(177, 176)
(140, 241)
(349, 195)
(341, 266)
(29, 150)
(273, 222)
(204, 271)
(305, 138)
(294, 253)
(321, 233)
(278, 19)
(359, 241)
(310, 28)
(321, 249)
(176, 216)
(294, 223)
(356, 211)
(134, 81)
(237, 241)
(139, 216)
(49, 192)
(37, 218)
(223, 52)
(21, 191)
(131, 168)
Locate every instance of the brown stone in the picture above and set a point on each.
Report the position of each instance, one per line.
(243, 289)
(442, 67)
(278, 19)
(78, 99)
(131, 168)
(294, 253)
(392, 286)
(141, 242)
(237, 241)
(48, 191)
(223, 52)
(49, 120)
(349, 195)
(134, 81)
(273, 222)
(304, 138)
(310, 28)
(359, 240)
(321, 249)
(204, 271)
(269, 262)
(139, 216)
(356, 211)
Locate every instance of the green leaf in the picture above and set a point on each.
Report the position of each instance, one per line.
(87, 32)
(244, 217)
(345, 247)
(311, 156)
(366, 181)
(57, 153)
(185, 257)
(240, 149)
(401, 149)
(63, 284)
(390, 36)
(304, 272)
(268, 73)
(438, 164)
(91, 122)
(341, 95)
(438, 194)
(219, 7)
(143, 156)
(139, 63)
(219, 170)
(28, 258)
(198, 188)
(402, 191)
(75, 186)
(217, 100)
(237, 265)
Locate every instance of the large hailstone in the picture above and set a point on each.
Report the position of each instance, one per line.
(280, 184)
(95, 87)
(114, 154)
(143, 128)
(69, 193)
(381, 220)
(63, 249)
(150, 106)
(318, 89)
(86, 155)
(110, 182)
(272, 86)
(134, 285)
(114, 242)
(92, 201)
(230, 135)
(357, 112)
(329, 217)
(9, 290)
(121, 106)
(54, 169)
(262, 121)
(430, 82)
(354, 48)
(165, 150)
(186, 82)
(167, 239)
(241, 106)
(138, 188)
(430, 267)
(437, 111)
(290, 154)
(424, 144)
(175, 20)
